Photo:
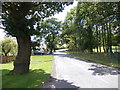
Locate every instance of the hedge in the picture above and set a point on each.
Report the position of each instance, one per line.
(5, 59)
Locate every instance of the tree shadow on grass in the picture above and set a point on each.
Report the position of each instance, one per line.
(33, 79)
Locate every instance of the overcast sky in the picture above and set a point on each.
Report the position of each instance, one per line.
(60, 16)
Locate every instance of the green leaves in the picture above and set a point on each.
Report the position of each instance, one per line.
(92, 24)
(19, 18)
(9, 46)
(51, 29)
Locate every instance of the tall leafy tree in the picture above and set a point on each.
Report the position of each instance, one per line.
(69, 33)
(51, 29)
(19, 19)
(94, 26)
(84, 26)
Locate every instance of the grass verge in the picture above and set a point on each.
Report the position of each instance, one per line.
(39, 72)
(103, 58)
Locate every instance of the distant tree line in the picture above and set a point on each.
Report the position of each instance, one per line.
(91, 26)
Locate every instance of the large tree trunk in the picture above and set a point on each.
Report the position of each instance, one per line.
(21, 64)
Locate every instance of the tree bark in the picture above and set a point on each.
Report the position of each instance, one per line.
(107, 37)
(91, 50)
(6, 54)
(21, 64)
(100, 36)
(51, 50)
(110, 37)
(103, 38)
(100, 48)
(97, 36)
(54, 49)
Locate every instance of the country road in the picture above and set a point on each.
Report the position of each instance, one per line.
(72, 72)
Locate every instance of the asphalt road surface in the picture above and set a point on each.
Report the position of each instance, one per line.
(72, 72)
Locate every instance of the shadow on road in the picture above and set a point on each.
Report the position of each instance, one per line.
(98, 69)
(103, 70)
(56, 83)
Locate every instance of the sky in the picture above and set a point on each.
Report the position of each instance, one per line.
(60, 16)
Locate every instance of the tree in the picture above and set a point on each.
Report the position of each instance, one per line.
(68, 30)
(93, 25)
(19, 19)
(51, 28)
(34, 45)
(8, 46)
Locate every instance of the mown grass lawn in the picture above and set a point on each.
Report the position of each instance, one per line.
(103, 58)
(39, 72)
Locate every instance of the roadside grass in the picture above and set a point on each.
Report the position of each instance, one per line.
(39, 72)
(103, 58)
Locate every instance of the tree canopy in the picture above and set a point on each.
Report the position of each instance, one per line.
(51, 31)
(93, 25)
(8, 46)
(19, 20)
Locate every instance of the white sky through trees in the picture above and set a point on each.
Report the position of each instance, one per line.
(60, 16)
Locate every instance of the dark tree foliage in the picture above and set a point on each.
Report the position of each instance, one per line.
(51, 28)
(95, 25)
(19, 19)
